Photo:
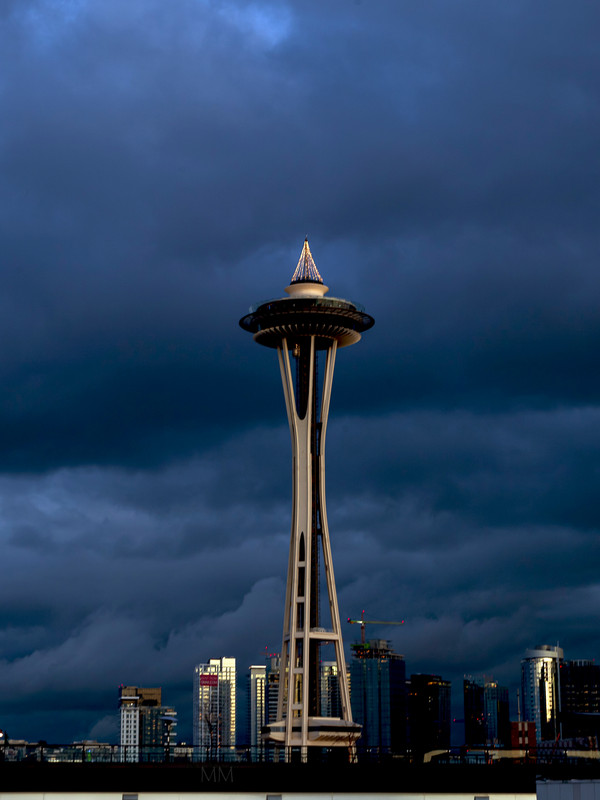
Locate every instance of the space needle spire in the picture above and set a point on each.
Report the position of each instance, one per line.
(307, 328)
(307, 269)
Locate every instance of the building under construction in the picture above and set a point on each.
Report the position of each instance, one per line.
(379, 696)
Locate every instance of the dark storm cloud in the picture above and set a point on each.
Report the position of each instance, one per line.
(140, 591)
(528, 466)
(160, 166)
(173, 145)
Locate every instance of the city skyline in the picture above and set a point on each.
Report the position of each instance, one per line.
(161, 167)
(228, 705)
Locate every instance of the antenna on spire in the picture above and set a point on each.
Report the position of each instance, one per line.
(306, 271)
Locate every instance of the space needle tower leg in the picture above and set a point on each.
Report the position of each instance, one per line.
(300, 327)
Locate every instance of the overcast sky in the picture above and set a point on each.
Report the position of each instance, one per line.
(161, 164)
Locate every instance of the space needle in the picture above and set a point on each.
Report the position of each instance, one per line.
(307, 328)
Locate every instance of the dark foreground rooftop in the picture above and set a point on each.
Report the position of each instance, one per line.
(284, 778)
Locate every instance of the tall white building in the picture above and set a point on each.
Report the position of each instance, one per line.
(147, 727)
(540, 686)
(257, 680)
(215, 706)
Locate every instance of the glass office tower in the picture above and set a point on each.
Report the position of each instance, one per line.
(540, 686)
(378, 696)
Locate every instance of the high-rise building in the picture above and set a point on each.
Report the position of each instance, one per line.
(257, 707)
(540, 688)
(497, 714)
(474, 713)
(307, 329)
(580, 698)
(331, 703)
(379, 696)
(272, 688)
(214, 721)
(146, 725)
(487, 718)
(206, 721)
(429, 717)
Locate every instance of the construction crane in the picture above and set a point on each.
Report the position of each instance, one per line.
(362, 622)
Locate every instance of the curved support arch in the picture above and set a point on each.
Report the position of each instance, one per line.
(303, 634)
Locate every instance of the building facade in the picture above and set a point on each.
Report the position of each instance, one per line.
(497, 714)
(580, 698)
(378, 696)
(147, 727)
(474, 713)
(486, 713)
(540, 690)
(429, 715)
(273, 663)
(214, 724)
(257, 707)
(522, 736)
(331, 702)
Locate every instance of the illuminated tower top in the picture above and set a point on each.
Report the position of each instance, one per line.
(306, 312)
(306, 271)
